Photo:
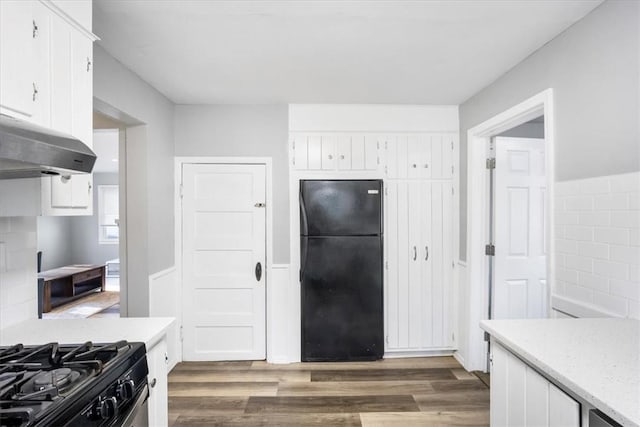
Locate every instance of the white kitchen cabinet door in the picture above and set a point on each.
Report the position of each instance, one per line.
(42, 59)
(418, 236)
(371, 145)
(158, 405)
(328, 152)
(344, 152)
(563, 410)
(358, 156)
(520, 396)
(314, 153)
(61, 76)
(82, 87)
(16, 58)
(300, 152)
(74, 191)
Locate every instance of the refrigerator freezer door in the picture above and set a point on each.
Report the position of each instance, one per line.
(342, 299)
(341, 208)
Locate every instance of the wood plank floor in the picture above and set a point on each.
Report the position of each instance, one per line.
(433, 391)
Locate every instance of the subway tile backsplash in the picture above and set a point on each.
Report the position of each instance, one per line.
(597, 247)
(18, 275)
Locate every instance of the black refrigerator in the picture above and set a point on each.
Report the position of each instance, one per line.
(341, 270)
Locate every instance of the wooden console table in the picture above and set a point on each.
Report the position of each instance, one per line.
(64, 284)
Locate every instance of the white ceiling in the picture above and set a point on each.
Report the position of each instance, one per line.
(258, 52)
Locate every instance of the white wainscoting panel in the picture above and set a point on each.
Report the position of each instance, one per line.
(278, 315)
(165, 301)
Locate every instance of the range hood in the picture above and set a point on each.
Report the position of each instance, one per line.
(28, 151)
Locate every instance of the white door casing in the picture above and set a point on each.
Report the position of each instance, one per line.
(519, 223)
(224, 238)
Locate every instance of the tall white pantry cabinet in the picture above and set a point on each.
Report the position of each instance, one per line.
(418, 173)
(46, 77)
(418, 239)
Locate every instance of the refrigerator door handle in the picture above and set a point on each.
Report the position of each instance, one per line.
(415, 253)
(303, 252)
(304, 227)
(426, 249)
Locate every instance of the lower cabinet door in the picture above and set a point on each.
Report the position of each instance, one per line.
(158, 387)
(520, 396)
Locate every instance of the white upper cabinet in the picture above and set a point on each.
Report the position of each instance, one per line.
(426, 156)
(335, 152)
(46, 77)
(16, 58)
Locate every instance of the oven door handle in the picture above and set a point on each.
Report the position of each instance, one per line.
(136, 407)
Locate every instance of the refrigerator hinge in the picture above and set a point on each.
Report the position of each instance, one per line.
(491, 163)
(490, 249)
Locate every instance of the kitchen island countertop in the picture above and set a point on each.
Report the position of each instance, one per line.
(75, 331)
(597, 359)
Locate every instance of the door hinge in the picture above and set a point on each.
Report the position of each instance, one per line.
(490, 250)
(491, 163)
(486, 336)
(181, 334)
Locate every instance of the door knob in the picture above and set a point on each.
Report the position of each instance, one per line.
(258, 271)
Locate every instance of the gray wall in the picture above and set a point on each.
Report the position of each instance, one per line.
(55, 241)
(248, 131)
(525, 130)
(593, 70)
(149, 166)
(84, 230)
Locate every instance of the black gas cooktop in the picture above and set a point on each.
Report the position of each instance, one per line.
(86, 384)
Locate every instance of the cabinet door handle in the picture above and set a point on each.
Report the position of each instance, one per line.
(415, 253)
(342, 157)
(153, 382)
(414, 166)
(35, 29)
(35, 92)
(330, 157)
(88, 64)
(426, 249)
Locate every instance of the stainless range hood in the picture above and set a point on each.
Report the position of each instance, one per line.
(28, 151)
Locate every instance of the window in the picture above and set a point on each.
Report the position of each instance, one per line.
(108, 231)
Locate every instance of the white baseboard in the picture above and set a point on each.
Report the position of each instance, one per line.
(459, 358)
(422, 353)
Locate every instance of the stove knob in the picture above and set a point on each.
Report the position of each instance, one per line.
(125, 390)
(107, 408)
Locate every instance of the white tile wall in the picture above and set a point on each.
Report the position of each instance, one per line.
(18, 275)
(597, 247)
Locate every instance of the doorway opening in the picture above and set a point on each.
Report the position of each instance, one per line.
(509, 226)
(85, 250)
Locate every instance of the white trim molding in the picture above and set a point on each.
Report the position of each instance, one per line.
(477, 213)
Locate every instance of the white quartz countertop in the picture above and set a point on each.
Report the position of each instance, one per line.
(596, 359)
(75, 331)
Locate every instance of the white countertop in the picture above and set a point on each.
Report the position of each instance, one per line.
(596, 359)
(75, 331)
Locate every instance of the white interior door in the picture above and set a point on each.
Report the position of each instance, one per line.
(519, 222)
(223, 226)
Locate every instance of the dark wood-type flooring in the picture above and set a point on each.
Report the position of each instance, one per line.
(393, 392)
